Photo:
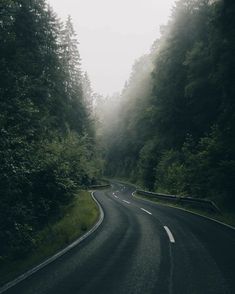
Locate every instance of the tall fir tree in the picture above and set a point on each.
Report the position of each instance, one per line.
(71, 65)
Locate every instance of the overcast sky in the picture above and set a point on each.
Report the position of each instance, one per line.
(113, 34)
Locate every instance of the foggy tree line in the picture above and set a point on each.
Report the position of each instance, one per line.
(174, 128)
(46, 131)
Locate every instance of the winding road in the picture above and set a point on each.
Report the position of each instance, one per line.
(142, 248)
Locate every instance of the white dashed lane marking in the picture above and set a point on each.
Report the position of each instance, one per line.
(146, 211)
(172, 240)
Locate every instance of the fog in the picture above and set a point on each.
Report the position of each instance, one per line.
(113, 34)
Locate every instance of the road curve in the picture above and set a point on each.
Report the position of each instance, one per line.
(142, 247)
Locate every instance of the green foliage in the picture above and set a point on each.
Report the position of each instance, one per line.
(210, 168)
(46, 144)
(171, 173)
(147, 164)
(175, 130)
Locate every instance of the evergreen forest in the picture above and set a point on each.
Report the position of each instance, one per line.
(174, 122)
(46, 129)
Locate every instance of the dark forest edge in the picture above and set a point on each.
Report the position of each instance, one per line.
(47, 137)
(175, 125)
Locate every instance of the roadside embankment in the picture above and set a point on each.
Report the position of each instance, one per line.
(78, 217)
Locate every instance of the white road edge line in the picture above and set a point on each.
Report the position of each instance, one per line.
(126, 201)
(172, 240)
(57, 255)
(146, 211)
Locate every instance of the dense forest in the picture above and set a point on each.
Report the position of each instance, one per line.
(47, 133)
(173, 127)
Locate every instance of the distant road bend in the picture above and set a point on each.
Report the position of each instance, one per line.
(143, 248)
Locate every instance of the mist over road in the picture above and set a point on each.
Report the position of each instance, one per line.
(142, 247)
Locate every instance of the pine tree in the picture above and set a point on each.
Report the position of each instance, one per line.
(71, 60)
(71, 66)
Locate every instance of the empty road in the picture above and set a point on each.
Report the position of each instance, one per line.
(144, 248)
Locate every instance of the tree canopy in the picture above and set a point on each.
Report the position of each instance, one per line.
(46, 142)
(175, 128)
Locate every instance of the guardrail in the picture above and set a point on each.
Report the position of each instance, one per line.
(196, 202)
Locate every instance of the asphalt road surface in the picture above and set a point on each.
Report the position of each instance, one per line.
(144, 248)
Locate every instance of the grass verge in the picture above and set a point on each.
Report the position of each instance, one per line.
(78, 217)
(225, 216)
